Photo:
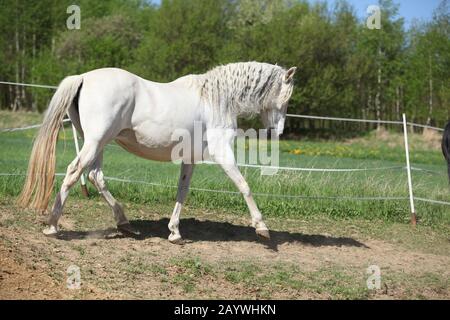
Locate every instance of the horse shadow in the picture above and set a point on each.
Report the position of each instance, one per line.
(194, 230)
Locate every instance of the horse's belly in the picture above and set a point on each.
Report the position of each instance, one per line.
(145, 149)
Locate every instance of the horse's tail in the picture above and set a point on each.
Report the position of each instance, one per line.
(40, 178)
(446, 147)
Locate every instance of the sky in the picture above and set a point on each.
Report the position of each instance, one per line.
(409, 9)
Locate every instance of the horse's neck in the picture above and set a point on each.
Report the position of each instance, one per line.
(194, 83)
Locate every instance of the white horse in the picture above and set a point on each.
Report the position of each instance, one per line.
(141, 116)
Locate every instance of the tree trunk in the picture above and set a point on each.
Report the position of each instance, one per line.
(397, 103)
(53, 46)
(367, 110)
(22, 75)
(11, 95)
(430, 100)
(33, 96)
(378, 95)
(16, 104)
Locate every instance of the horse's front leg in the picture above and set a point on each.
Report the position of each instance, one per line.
(224, 156)
(183, 189)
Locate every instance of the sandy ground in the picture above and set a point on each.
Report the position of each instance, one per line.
(316, 264)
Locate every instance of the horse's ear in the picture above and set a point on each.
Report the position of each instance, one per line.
(290, 74)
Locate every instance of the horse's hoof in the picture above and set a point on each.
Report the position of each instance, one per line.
(175, 239)
(50, 231)
(127, 230)
(263, 233)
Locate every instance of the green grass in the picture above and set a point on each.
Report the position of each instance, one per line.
(358, 153)
(283, 276)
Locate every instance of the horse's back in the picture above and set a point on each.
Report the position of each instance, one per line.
(109, 86)
(140, 115)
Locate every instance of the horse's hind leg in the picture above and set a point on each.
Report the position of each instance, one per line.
(183, 189)
(97, 179)
(86, 157)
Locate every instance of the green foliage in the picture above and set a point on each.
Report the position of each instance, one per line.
(183, 37)
(345, 69)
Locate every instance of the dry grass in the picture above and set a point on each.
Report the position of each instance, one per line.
(18, 119)
(427, 140)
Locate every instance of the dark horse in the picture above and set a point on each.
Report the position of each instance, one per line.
(446, 147)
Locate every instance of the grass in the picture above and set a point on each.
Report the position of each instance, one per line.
(285, 276)
(263, 281)
(368, 151)
(189, 274)
(18, 119)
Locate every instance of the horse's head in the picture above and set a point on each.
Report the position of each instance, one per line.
(274, 115)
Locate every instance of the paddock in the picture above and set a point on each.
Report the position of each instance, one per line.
(342, 207)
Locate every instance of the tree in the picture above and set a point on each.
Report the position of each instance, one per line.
(184, 36)
(345, 69)
(427, 73)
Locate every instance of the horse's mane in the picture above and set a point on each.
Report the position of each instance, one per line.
(242, 88)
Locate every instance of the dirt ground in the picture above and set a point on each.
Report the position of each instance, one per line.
(221, 257)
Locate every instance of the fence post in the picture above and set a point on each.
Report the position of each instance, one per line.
(408, 169)
(84, 189)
